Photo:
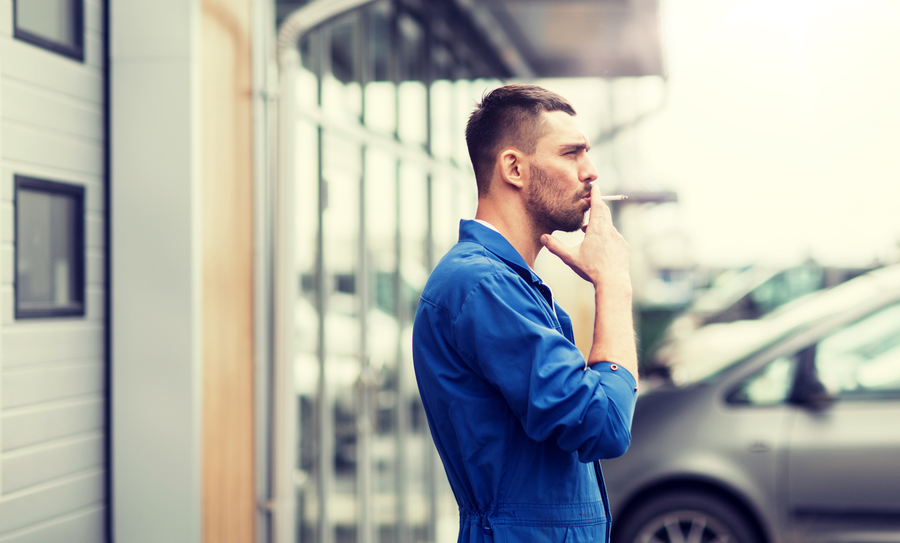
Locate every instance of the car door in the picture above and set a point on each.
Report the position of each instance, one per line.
(843, 467)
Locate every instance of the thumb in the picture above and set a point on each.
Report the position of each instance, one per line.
(568, 255)
(556, 247)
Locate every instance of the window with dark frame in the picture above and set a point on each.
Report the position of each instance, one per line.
(57, 25)
(49, 248)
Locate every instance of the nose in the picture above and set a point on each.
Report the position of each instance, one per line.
(588, 171)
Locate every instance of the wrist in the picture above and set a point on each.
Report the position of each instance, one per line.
(610, 288)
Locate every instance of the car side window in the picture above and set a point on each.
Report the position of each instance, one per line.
(862, 360)
(769, 386)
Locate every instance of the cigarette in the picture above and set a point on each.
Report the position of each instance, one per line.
(614, 197)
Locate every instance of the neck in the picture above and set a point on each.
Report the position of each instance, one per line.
(515, 226)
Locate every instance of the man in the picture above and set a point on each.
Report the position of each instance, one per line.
(517, 414)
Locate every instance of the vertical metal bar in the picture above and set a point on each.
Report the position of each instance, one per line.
(400, 416)
(263, 282)
(366, 528)
(429, 80)
(108, 486)
(284, 296)
(401, 425)
(364, 391)
(428, 452)
(325, 407)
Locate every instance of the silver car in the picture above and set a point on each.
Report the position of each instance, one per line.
(794, 438)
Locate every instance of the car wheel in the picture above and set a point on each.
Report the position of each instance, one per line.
(684, 517)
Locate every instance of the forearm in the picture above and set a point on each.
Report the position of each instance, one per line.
(603, 259)
(614, 339)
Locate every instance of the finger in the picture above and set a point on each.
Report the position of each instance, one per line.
(599, 209)
(564, 253)
(556, 247)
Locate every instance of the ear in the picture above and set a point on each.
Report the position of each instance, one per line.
(512, 167)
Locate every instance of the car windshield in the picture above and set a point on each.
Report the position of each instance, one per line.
(742, 343)
(729, 287)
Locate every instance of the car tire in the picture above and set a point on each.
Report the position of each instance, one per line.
(684, 517)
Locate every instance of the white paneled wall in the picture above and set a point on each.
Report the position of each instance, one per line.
(52, 371)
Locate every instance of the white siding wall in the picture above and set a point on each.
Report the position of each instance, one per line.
(52, 397)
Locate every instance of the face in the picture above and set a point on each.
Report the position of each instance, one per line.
(557, 195)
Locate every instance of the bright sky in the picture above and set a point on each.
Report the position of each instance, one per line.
(781, 132)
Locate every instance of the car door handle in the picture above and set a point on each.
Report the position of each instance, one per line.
(758, 446)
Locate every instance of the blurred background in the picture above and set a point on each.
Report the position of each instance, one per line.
(219, 215)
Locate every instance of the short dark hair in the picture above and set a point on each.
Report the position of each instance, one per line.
(509, 115)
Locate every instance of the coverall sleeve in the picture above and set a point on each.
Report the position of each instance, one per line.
(507, 334)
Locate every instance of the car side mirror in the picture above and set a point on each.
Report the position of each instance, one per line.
(810, 392)
(818, 401)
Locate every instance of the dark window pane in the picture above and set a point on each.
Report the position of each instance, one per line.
(54, 24)
(343, 65)
(379, 44)
(412, 48)
(49, 249)
(51, 19)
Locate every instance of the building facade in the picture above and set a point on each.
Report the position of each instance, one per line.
(217, 217)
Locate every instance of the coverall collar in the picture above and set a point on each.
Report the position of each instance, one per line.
(493, 241)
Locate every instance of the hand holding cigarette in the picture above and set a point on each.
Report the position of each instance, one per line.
(603, 256)
(611, 197)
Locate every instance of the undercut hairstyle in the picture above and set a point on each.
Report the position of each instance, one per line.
(508, 116)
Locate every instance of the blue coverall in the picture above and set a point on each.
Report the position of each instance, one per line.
(518, 419)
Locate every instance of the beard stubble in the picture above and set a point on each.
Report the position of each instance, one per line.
(550, 207)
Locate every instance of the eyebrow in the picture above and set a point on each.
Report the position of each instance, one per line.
(569, 147)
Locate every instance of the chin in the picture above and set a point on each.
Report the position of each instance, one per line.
(571, 226)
